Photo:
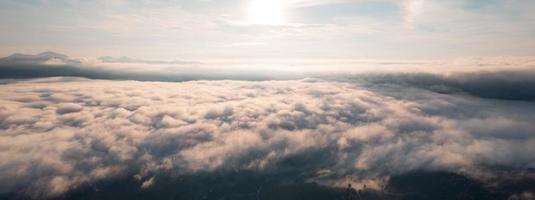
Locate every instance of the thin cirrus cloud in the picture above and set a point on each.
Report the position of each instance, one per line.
(197, 30)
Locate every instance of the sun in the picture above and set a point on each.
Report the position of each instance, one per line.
(266, 12)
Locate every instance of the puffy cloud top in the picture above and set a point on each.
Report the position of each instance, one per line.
(59, 134)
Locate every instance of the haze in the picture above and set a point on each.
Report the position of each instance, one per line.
(267, 99)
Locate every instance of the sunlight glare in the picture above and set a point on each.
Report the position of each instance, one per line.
(267, 12)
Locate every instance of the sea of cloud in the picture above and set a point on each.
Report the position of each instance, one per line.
(58, 134)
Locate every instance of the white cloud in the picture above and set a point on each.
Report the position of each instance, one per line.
(57, 135)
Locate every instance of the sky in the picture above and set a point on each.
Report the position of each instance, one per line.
(267, 99)
(202, 30)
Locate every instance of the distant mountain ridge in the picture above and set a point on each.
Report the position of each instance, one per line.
(124, 59)
(18, 58)
(52, 64)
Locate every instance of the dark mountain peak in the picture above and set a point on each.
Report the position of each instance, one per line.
(43, 55)
(18, 55)
(18, 58)
(125, 59)
(51, 54)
